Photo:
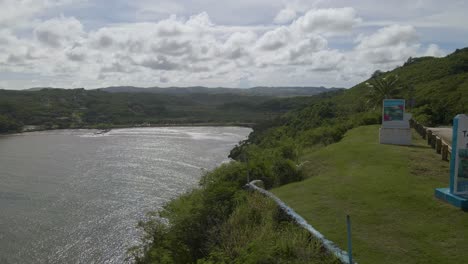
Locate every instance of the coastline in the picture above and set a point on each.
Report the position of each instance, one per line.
(106, 129)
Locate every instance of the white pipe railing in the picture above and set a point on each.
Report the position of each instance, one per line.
(329, 245)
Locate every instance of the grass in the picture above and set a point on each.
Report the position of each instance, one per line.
(389, 193)
(258, 232)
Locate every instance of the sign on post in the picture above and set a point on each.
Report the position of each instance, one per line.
(457, 193)
(395, 123)
(459, 158)
(393, 110)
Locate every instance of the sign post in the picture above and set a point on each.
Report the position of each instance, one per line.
(395, 128)
(457, 193)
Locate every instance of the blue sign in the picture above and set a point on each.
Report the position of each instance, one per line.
(393, 110)
(457, 193)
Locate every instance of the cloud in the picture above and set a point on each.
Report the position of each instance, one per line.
(77, 54)
(163, 79)
(389, 45)
(18, 13)
(238, 44)
(14, 11)
(275, 39)
(307, 46)
(389, 36)
(172, 47)
(200, 21)
(331, 20)
(434, 51)
(160, 63)
(59, 31)
(170, 27)
(300, 43)
(103, 38)
(286, 15)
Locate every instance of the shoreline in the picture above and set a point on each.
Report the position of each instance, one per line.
(106, 129)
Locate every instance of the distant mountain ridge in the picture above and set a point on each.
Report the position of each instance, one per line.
(259, 90)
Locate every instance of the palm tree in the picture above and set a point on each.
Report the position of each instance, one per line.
(382, 88)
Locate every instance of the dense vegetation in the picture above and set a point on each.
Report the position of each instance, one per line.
(438, 87)
(77, 108)
(289, 91)
(220, 223)
(192, 229)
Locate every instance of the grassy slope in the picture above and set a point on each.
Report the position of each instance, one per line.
(388, 191)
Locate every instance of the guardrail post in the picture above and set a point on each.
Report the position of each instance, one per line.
(433, 141)
(438, 145)
(444, 151)
(429, 136)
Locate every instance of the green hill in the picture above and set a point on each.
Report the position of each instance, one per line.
(438, 86)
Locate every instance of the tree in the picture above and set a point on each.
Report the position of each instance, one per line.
(382, 88)
(8, 125)
(377, 74)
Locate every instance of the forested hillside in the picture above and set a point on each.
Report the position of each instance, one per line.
(437, 85)
(79, 108)
(258, 91)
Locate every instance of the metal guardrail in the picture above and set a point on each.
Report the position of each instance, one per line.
(327, 244)
(439, 144)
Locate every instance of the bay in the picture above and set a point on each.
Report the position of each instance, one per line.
(75, 196)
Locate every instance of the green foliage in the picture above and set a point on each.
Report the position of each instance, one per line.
(257, 232)
(203, 230)
(440, 87)
(382, 88)
(194, 218)
(60, 108)
(9, 125)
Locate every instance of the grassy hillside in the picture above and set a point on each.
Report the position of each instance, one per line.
(389, 193)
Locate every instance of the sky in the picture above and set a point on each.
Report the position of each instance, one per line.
(230, 43)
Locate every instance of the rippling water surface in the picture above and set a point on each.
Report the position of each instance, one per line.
(73, 196)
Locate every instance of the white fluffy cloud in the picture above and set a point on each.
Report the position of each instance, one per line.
(60, 31)
(18, 13)
(317, 46)
(332, 20)
(286, 15)
(434, 51)
(275, 39)
(307, 46)
(389, 36)
(391, 44)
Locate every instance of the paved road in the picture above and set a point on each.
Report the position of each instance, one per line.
(444, 132)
